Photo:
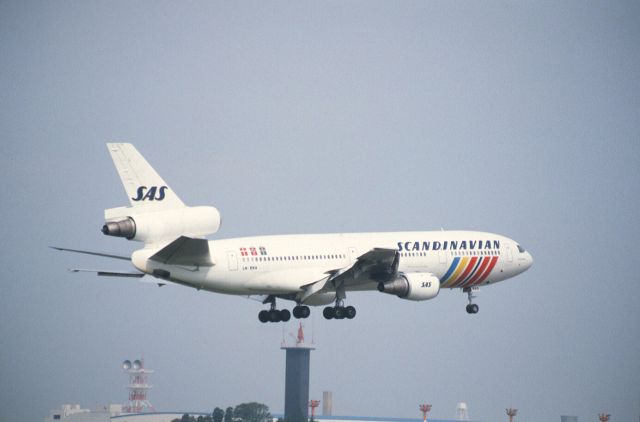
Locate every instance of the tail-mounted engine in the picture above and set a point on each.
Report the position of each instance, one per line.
(161, 225)
(412, 286)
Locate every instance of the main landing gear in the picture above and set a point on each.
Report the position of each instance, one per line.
(275, 315)
(472, 308)
(301, 311)
(339, 311)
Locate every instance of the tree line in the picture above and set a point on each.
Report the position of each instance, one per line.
(244, 412)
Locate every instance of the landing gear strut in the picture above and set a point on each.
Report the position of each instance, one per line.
(273, 314)
(472, 308)
(339, 311)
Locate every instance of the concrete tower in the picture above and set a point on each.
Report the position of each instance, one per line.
(296, 387)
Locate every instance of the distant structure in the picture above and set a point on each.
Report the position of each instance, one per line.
(425, 408)
(604, 417)
(511, 413)
(462, 412)
(296, 386)
(138, 387)
(313, 404)
(327, 403)
(568, 419)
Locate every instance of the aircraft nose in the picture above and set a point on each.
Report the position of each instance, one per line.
(529, 261)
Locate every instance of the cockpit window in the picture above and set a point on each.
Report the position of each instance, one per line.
(521, 249)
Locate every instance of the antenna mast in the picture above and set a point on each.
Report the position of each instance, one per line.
(138, 387)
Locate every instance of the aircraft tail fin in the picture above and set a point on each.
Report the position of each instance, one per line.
(147, 191)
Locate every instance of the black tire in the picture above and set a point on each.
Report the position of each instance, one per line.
(296, 312)
(305, 311)
(328, 312)
(274, 315)
(350, 312)
(339, 312)
(469, 310)
(474, 308)
(263, 316)
(285, 315)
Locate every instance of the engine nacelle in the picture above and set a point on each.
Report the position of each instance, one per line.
(412, 286)
(163, 225)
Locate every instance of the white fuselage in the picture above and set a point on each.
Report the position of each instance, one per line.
(284, 263)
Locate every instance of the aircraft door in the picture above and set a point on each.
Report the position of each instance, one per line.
(232, 258)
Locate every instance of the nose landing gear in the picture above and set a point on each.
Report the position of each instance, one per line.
(472, 308)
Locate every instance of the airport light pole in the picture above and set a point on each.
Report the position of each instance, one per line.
(604, 417)
(425, 408)
(511, 413)
(313, 404)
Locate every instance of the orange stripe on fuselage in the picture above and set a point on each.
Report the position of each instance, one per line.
(461, 266)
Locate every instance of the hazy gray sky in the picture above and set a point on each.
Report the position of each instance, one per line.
(520, 118)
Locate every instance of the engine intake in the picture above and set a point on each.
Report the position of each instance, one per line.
(412, 286)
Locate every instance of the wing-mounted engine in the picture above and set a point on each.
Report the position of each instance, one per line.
(154, 226)
(412, 286)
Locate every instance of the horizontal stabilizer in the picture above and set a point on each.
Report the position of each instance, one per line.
(185, 251)
(106, 273)
(106, 255)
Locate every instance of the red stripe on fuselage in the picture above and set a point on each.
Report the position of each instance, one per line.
(480, 271)
(492, 264)
(470, 266)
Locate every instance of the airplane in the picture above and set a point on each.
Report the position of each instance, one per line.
(307, 269)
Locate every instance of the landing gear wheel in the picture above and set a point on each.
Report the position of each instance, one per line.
(263, 316)
(274, 315)
(350, 312)
(305, 312)
(339, 312)
(285, 315)
(472, 308)
(328, 312)
(301, 311)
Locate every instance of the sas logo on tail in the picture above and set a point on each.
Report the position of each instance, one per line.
(145, 193)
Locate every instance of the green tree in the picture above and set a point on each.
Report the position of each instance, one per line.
(217, 415)
(252, 412)
(228, 415)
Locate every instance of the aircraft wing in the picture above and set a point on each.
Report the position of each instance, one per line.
(377, 265)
